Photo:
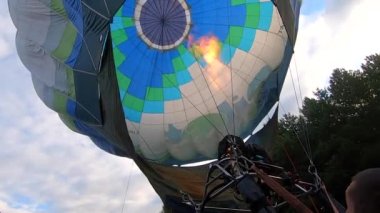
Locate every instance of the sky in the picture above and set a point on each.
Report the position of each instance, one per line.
(45, 167)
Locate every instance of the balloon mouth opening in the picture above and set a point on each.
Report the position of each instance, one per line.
(162, 25)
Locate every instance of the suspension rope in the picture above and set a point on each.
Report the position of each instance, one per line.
(300, 91)
(231, 71)
(298, 138)
(127, 186)
(212, 95)
(305, 134)
(289, 158)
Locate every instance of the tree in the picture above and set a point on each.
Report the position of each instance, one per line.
(341, 124)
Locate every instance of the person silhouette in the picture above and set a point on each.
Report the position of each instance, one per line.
(363, 193)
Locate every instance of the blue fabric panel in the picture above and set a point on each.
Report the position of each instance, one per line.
(227, 53)
(156, 80)
(128, 67)
(132, 33)
(249, 36)
(237, 15)
(122, 93)
(129, 8)
(221, 32)
(183, 77)
(70, 107)
(142, 78)
(265, 19)
(188, 58)
(132, 115)
(165, 66)
(71, 60)
(129, 46)
(153, 107)
(117, 23)
(137, 90)
(75, 14)
(143, 48)
(98, 139)
(171, 94)
(174, 53)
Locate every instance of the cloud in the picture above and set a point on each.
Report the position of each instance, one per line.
(6, 36)
(51, 169)
(340, 8)
(5, 207)
(46, 173)
(336, 37)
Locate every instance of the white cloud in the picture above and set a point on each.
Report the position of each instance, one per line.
(6, 36)
(337, 37)
(47, 164)
(5, 207)
(50, 166)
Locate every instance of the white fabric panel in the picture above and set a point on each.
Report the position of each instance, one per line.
(156, 148)
(39, 31)
(147, 118)
(173, 106)
(175, 117)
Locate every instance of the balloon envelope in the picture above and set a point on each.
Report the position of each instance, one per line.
(163, 79)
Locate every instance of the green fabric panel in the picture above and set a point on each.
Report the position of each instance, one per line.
(123, 80)
(59, 102)
(237, 2)
(178, 64)
(133, 103)
(118, 57)
(253, 9)
(127, 22)
(119, 12)
(253, 15)
(118, 37)
(170, 80)
(70, 82)
(57, 6)
(182, 49)
(66, 44)
(155, 94)
(60, 98)
(68, 121)
(235, 36)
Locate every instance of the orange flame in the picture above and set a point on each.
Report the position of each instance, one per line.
(207, 47)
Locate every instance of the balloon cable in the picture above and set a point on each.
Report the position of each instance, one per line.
(127, 186)
(231, 71)
(212, 95)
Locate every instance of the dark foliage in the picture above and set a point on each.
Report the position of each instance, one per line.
(341, 124)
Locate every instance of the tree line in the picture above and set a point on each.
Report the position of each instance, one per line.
(339, 128)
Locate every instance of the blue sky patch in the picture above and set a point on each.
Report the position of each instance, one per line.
(311, 6)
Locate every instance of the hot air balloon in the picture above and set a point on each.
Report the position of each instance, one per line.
(161, 81)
